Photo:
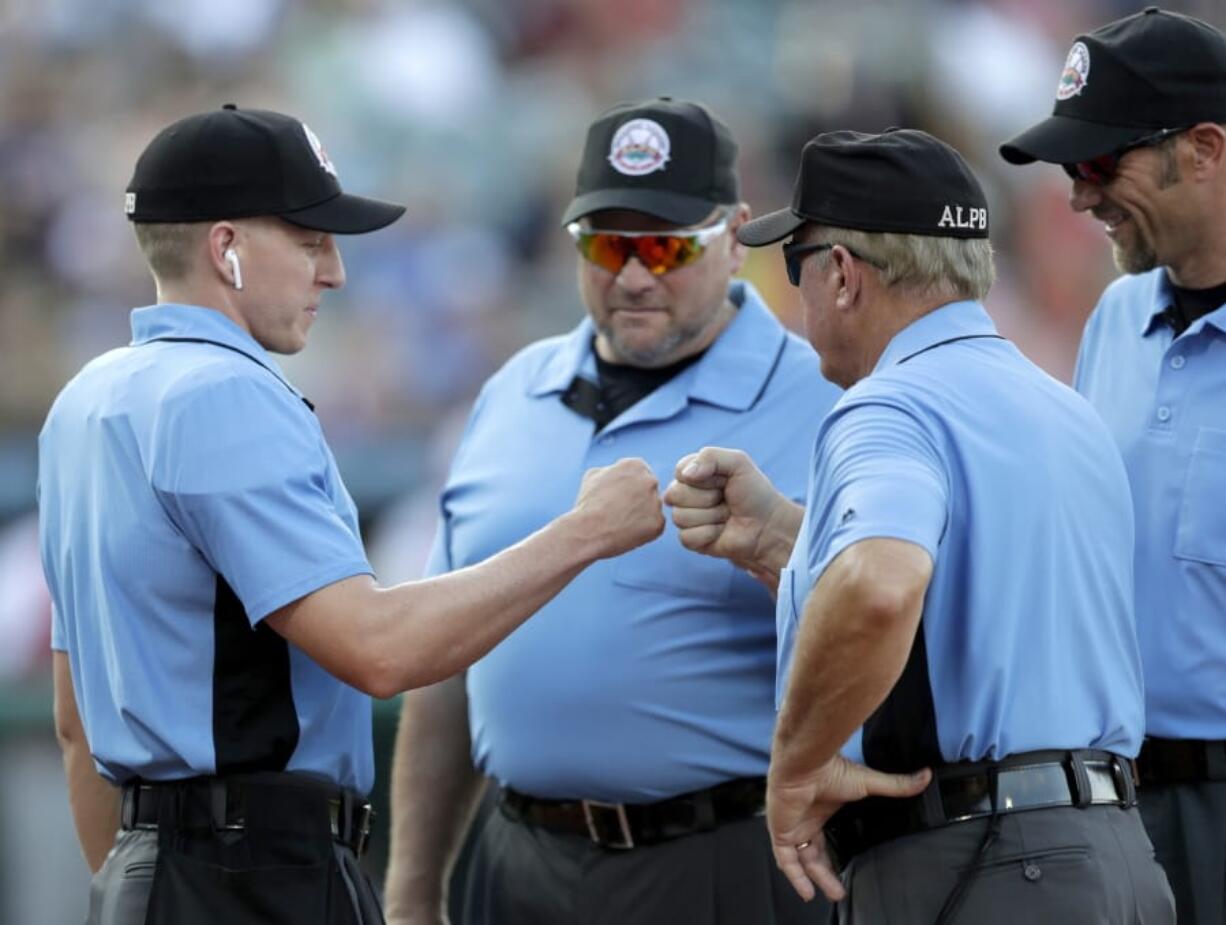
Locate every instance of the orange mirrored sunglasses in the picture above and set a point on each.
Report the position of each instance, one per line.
(659, 252)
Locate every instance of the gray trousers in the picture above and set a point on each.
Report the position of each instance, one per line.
(119, 892)
(1059, 866)
(525, 875)
(1187, 823)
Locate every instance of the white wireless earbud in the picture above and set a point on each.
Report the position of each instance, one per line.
(235, 268)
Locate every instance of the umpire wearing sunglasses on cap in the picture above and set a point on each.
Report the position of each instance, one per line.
(218, 632)
(1140, 127)
(628, 727)
(958, 602)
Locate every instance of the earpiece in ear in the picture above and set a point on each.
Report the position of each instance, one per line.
(236, 269)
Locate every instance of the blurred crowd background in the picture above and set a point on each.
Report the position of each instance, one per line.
(472, 112)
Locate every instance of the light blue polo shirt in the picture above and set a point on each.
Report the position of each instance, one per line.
(1164, 401)
(651, 674)
(959, 444)
(185, 493)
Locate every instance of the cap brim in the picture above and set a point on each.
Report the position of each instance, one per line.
(345, 214)
(662, 204)
(772, 227)
(1062, 140)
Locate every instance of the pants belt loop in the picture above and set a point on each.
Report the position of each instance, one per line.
(217, 803)
(127, 807)
(932, 807)
(1215, 760)
(344, 825)
(704, 811)
(1080, 780)
(1125, 771)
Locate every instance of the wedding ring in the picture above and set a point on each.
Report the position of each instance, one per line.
(803, 845)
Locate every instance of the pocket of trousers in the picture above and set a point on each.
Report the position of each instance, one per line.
(188, 891)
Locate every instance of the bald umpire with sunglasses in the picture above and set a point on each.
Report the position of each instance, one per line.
(628, 728)
(1138, 126)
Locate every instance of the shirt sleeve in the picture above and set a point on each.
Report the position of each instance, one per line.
(877, 475)
(241, 468)
(58, 642)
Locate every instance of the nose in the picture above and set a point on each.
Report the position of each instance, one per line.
(1084, 196)
(330, 270)
(635, 278)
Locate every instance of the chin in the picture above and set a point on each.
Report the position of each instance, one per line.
(1134, 259)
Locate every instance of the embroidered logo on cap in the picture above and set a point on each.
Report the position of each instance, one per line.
(972, 217)
(129, 203)
(639, 147)
(320, 154)
(1076, 72)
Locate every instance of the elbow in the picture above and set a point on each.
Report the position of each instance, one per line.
(380, 674)
(375, 675)
(69, 733)
(889, 591)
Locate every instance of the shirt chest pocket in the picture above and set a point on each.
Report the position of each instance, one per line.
(1200, 534)
(668, 567)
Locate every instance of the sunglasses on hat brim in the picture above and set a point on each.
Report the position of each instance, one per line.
(1101, 170)
(659, 252)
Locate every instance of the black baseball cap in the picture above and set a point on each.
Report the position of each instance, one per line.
(1135, 76)
(242, 163)
(902, 180)
(669, 158)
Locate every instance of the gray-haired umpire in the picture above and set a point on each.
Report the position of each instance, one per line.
(957, 607)
(217, 630)
(1139, 125)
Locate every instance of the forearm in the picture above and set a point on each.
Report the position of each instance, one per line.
(857, 630)
(451, 621)
(94, 803)
(775, 544)
(434, 791)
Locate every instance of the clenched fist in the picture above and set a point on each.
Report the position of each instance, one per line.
(620, 506)
(724, 506)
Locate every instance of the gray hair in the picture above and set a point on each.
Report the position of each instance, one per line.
(961, 268)
(168, 246)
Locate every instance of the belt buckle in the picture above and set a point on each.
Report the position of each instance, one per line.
(591, 811)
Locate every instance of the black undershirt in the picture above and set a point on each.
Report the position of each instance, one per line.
(1190, 304)
(620, 387)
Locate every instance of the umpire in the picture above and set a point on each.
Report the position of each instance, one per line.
(958, 603)
(216, 626)
(1138, 126)
(629, 725)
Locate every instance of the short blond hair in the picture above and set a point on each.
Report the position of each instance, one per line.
(167, 246)
(962, 268)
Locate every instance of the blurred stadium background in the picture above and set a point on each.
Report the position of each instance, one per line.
(472, 112)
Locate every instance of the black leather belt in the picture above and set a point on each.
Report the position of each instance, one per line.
(974, 790)
(627, 825)
(349, 815)
(1181, 761)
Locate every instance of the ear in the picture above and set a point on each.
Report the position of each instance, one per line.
(222, 237)
(849, 278)
(736, 250)
(1208, 146)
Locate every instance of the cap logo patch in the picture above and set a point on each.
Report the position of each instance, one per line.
(129, 203)
(320, 154)
(1076, 72)
(972, 218)
(639, 147)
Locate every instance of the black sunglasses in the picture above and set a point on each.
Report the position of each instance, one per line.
(1101, 170)
(794, 255)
